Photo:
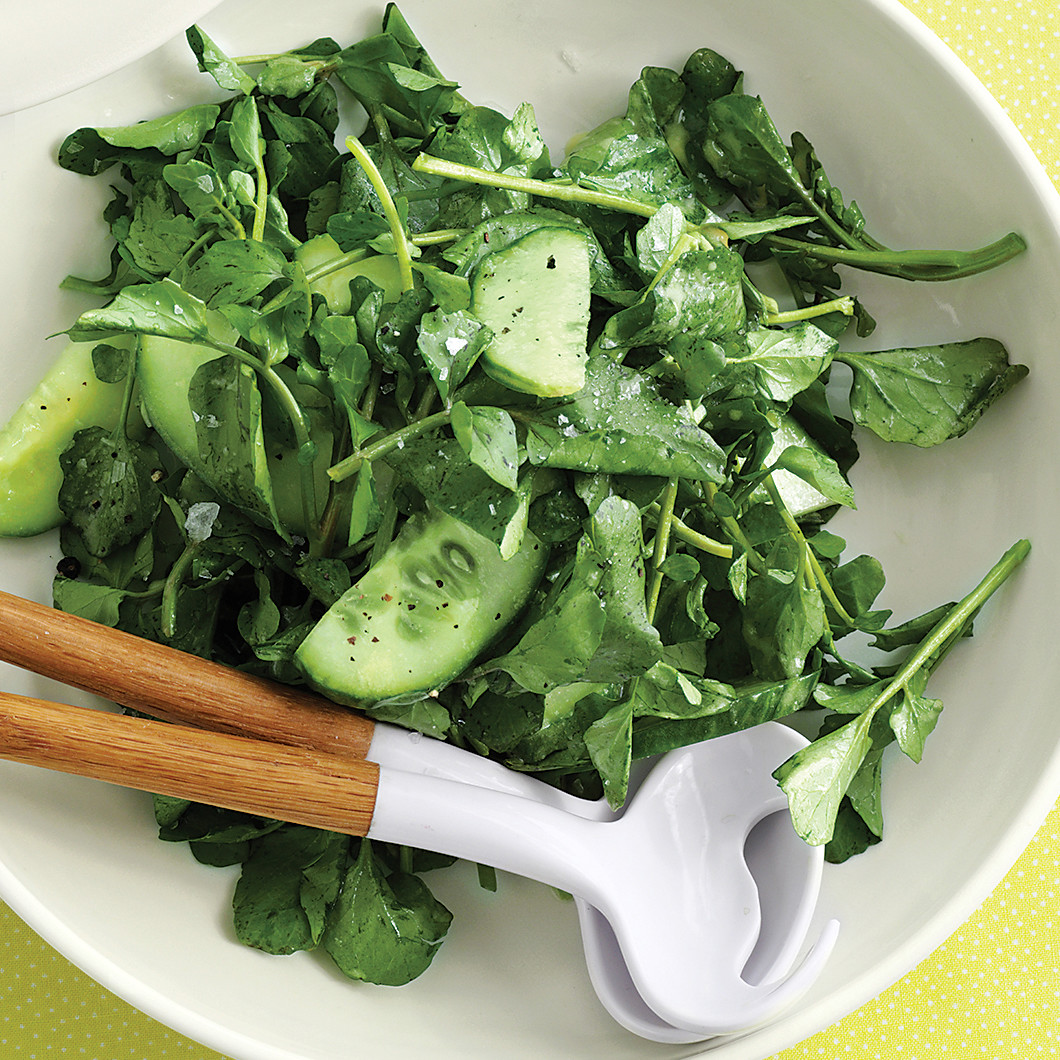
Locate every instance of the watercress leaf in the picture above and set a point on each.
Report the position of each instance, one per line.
(912, 719)
(310, 146)
(701, 292)
(817, 468)
(383, 929)
(487, 435)
(161, 308)
(110, 363)
(865, 791)
(171, 134)
(259, 619)
(377, 71)
(926, 395)
(782, 362)
(752, 703)
(857, 584)
(228, 74)
(92, 600)
(557, 648)
(630, 644)
(816, 778)
(744, 148)
(914, 630)
(244, 133)
(451, 293)
(201, 189)
(848, 698)
(355, 229)
(286, 75)
(681, 567)
(783, 615)
(291, 876)
(850, 837)
(620, 424)
(85, 151)
(156, 239)
(226, 404)
(108, 493)
(233, 271)
(440, 469)
(609, 741)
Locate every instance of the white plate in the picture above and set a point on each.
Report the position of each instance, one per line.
(901, 125)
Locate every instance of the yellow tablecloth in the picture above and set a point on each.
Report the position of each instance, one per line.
(993, 989)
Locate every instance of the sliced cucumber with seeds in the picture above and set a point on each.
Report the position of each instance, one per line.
(534, 297)
(439, 595)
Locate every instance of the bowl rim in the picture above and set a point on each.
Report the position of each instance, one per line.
(793, 1027)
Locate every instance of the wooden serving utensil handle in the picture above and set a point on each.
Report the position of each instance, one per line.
(234, 772)
(172, 684)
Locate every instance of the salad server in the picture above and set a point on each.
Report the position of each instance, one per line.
(159, 680)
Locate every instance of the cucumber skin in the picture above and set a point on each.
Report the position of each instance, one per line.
(69, 398)
(439, 595)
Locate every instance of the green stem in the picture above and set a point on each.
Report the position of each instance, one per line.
(441, 235)
(261, 203)
(736, 534)
(174, 580)
(390, 211)
(844, 305)
(296, 415)
(815, 571)
(910, 264)
(692, 537)
(328, 267)
(661, 545)
(944, 630)
(395, 440)
(564, 191)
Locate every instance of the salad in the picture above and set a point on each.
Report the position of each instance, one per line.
(534, 456)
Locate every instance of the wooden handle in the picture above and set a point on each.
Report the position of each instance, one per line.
(172, 684)
(290, 784)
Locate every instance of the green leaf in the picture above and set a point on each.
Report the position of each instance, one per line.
(783, 362)
(487, 435)
(926, 395)
(620, 424)
(97, 603)
(288, 881)
(913, 719)
(161, 308)
(233, 271)
(750, 703)
(108, 492)
(817, 468)
(226, 404)
(202, 191)
(609, 741)
(816, 778)
(383, 930)
(450, 344)
(171, 134)
(245, 133)
(783, 615)
(110, 363)
(220, 67)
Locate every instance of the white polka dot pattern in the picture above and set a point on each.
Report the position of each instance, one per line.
(991, 991)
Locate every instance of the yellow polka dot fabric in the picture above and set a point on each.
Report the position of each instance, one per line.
(991, 991)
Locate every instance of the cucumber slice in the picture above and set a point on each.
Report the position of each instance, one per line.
(68, 399)
(534, 297)
(381, 269)
(165, 368)
(439, 595)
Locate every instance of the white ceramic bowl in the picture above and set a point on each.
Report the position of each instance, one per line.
(901, 125)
